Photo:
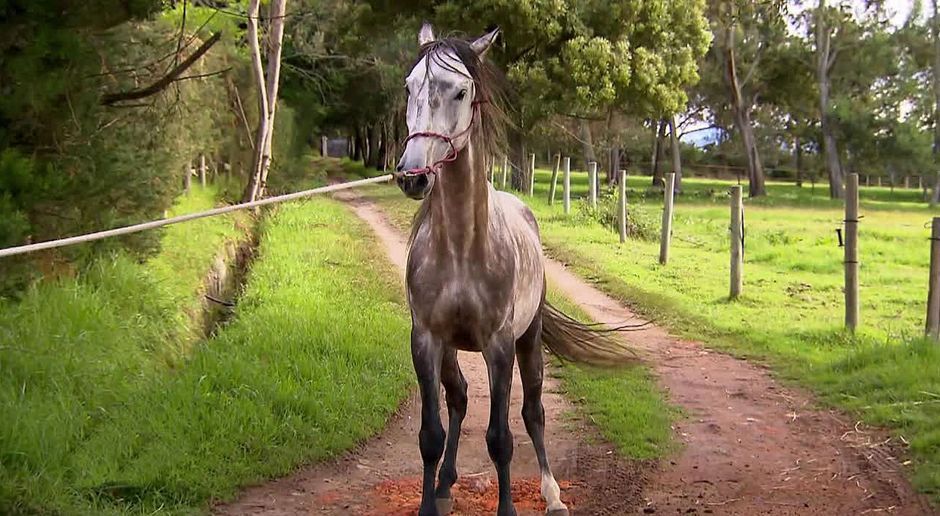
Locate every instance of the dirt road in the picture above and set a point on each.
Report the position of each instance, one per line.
(750, 445)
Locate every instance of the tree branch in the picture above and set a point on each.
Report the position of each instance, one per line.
(166, 80)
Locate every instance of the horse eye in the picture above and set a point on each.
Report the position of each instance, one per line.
(461, 95)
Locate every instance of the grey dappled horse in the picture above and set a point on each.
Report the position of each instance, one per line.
(475, 275)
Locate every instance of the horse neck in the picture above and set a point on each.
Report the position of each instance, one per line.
(459, 205)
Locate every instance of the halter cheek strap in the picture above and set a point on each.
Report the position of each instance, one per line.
(449, 140)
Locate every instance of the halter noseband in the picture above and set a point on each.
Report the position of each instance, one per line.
(449, 140)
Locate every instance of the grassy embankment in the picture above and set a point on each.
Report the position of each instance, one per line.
(110, 406)
(792, 309)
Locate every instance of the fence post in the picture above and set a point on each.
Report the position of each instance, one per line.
(552, 187)
(664, 239)
(933, 293)
(566, 186)
(737, 243)
(324, 147)
(531, 174)
(187, 177)
(202, 170)
(592, 183)
(622, 212)
(907, 181)
(505, 170)
(851, 251)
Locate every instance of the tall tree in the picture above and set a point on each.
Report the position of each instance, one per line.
(267, 81)
(825, 59)
(740, 106)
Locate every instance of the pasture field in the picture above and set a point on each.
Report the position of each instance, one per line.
(791, 313)
(97, 420)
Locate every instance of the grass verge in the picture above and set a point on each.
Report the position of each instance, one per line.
(97, 420)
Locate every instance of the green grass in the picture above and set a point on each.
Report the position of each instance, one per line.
(97, 422)
(792, 309)
(627, 406)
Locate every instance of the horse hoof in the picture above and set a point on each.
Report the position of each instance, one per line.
(557, 512)
(444, 505)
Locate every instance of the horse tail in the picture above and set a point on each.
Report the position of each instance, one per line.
(572, 340)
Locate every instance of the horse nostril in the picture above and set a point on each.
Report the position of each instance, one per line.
(400, 167)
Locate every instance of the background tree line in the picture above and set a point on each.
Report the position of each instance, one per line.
(107, 102)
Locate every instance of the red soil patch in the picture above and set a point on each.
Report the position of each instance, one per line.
(472, 496)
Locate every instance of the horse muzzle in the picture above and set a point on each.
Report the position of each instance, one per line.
(415, 186)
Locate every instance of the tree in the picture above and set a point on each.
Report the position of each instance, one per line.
(825, 59)
(267, 82)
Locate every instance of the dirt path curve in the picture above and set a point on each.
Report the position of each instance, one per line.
(751, 446)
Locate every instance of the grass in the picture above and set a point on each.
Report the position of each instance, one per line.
(791, 313)
(792, 309)
(627, 406)
(97, 422)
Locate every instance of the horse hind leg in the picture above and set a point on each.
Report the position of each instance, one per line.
(531, 370)
(455, 388)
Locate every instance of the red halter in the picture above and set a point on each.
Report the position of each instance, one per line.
(449, 140)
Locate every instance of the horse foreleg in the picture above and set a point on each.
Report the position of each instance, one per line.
(499, 356)
(426, 354)
(531, 370)
(455, 389)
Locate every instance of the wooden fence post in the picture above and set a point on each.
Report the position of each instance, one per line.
(324, 147)
(566, 186)
(187, 177)
(552, 187)
(851, 251)
(933, 293)
(592, 183)
(622, 211)
(668, 193)
(737, 243)
(505, 170)
(202, 170)
(531, 174)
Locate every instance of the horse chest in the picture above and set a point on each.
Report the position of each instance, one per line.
(460, 307)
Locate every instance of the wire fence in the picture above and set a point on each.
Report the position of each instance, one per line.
(136, 228)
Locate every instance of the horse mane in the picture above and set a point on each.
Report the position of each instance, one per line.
(489, 84)
(490, 88)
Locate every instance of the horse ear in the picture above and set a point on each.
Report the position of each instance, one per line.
(484, 42)
(426, 34)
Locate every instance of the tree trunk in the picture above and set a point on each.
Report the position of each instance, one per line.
(375, 153)
(742, 118)
(267, 90)
(659, 133)
(935, 30)
(587, 143)
(358, 153)
(798, 149)
(519, 176)
(823, 65)
(676, 155)
(613, 169)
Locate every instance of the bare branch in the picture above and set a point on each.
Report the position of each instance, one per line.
(166, 80)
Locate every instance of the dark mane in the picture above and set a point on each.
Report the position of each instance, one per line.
(490, 86)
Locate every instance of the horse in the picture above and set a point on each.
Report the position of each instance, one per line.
(475, 278)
